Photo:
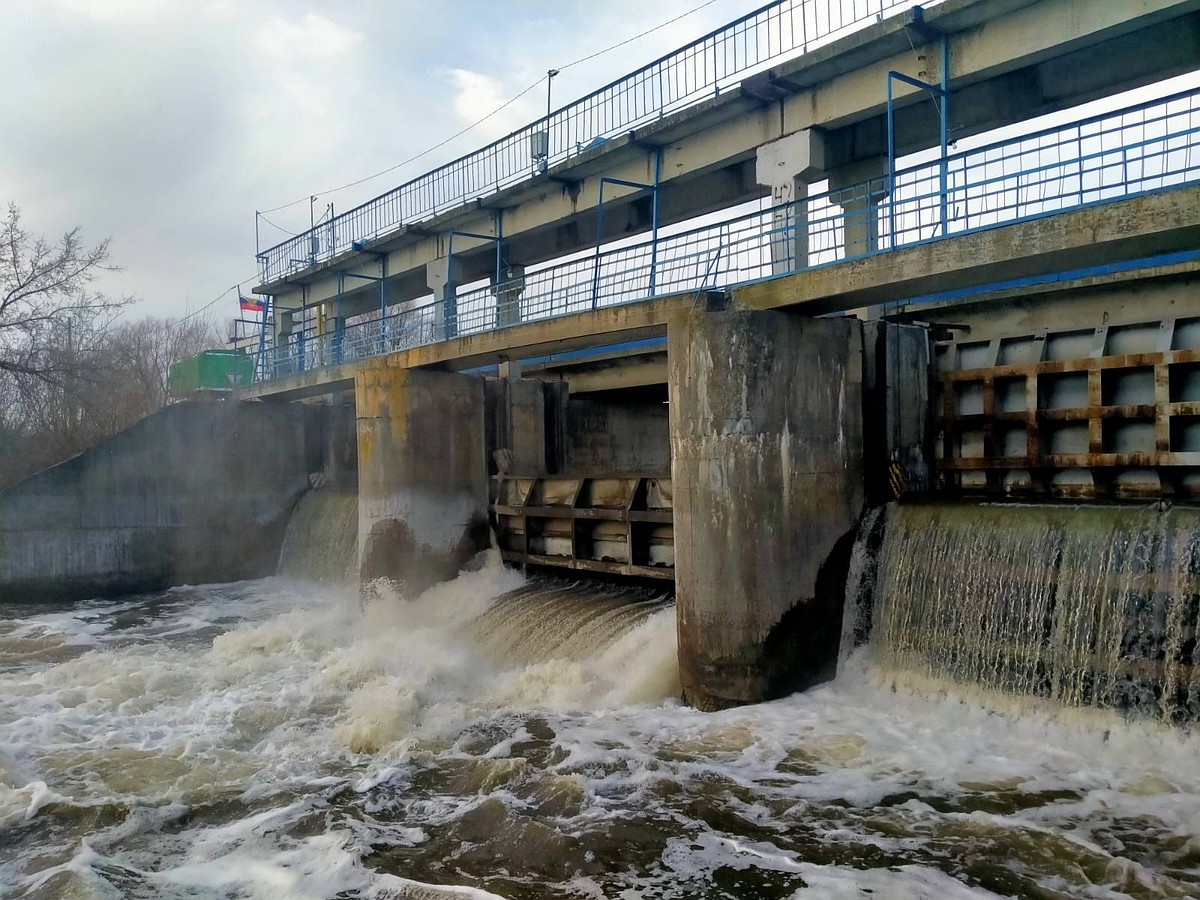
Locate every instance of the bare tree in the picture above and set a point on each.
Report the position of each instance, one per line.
(117, 375)
(44, 288)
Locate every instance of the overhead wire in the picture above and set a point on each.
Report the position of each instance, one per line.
(237, 288)
(445, 141)
(488, 116)
(630, 40)
(277, 227)
(417, 156)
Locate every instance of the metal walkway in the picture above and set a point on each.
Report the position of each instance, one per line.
(685, 77)
(1140, 149)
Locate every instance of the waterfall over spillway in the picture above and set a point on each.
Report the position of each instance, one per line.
(321, 543)
(544, 619)
(551, 619)
(1088, 606)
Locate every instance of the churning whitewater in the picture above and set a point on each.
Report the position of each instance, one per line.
(496, 737)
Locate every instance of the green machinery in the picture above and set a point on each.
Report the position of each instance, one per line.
(211, 370)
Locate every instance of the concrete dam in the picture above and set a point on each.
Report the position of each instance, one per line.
(995, 338)
(774, 474)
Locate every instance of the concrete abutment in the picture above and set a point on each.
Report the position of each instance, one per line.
(200, 491)
(422, 474)
(767, 466)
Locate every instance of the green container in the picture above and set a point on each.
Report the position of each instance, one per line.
(211, 370)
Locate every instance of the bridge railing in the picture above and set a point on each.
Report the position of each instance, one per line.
(690, 74)
(1135, 150)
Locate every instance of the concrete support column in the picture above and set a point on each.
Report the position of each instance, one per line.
(787, 166)
(859, 189)
(508, 296)
(283, 325)
(332, 327)
(766, 443)
(516, 418)
(443, 275)
(422, 474)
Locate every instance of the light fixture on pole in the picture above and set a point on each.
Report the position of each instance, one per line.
(539, 147)
(550, 73)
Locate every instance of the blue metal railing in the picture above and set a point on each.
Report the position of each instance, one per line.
(696, 71)
(1110, 156)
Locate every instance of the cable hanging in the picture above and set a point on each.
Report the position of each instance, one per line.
(484, 118)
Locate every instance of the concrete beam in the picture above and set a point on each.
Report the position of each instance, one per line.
(1124, 229)
(639, 368)
(632, 321)
(1027, 49)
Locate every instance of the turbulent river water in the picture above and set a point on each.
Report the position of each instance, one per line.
(276, 739)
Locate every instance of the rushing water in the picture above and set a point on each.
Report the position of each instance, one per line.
(273, 739)
(1091, 606)
(321, 543)
(284, 738)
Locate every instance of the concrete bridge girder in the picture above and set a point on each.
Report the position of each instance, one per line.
(1010, 59)
(1129, 229)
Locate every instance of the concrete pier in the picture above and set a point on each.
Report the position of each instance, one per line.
(766, 442)
(422, 474)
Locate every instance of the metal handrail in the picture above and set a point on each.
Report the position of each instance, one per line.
(674, 81)
(982, 187)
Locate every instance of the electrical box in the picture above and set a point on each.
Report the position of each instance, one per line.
(539, 144)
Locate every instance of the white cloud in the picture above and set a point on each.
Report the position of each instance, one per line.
(311, 37)
(164, 123)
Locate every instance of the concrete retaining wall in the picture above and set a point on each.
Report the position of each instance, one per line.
(625, 437)
(198, 492)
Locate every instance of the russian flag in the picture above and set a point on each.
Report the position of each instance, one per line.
(251, 304)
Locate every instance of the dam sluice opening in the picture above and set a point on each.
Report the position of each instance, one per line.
(1093, 606)
(491, 600)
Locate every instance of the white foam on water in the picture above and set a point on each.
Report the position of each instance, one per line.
(290, 704)
(901, 883)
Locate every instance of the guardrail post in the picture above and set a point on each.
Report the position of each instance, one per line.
(658, 155)
(442, 276)
(382, 303)
(339, 324)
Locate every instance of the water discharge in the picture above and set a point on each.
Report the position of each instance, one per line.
(522, 739)
(321, 543)
(1090, 606)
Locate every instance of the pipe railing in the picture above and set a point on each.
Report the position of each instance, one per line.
(1142, 148)
(695, 72)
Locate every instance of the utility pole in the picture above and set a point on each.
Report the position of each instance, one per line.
(550, 73)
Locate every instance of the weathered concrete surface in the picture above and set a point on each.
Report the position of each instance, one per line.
(617, 438)
(422, 474)
(1163, 222)
(1010, 60)
(516, 425)
(198, 492)
(766, 439)
(1135, 228)
(1162, 291)
(897, 438)
(571, 332)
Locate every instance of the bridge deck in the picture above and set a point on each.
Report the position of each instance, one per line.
(1138, 227)
(1009, 60)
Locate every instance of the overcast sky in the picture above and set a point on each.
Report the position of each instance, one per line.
(163, 124)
